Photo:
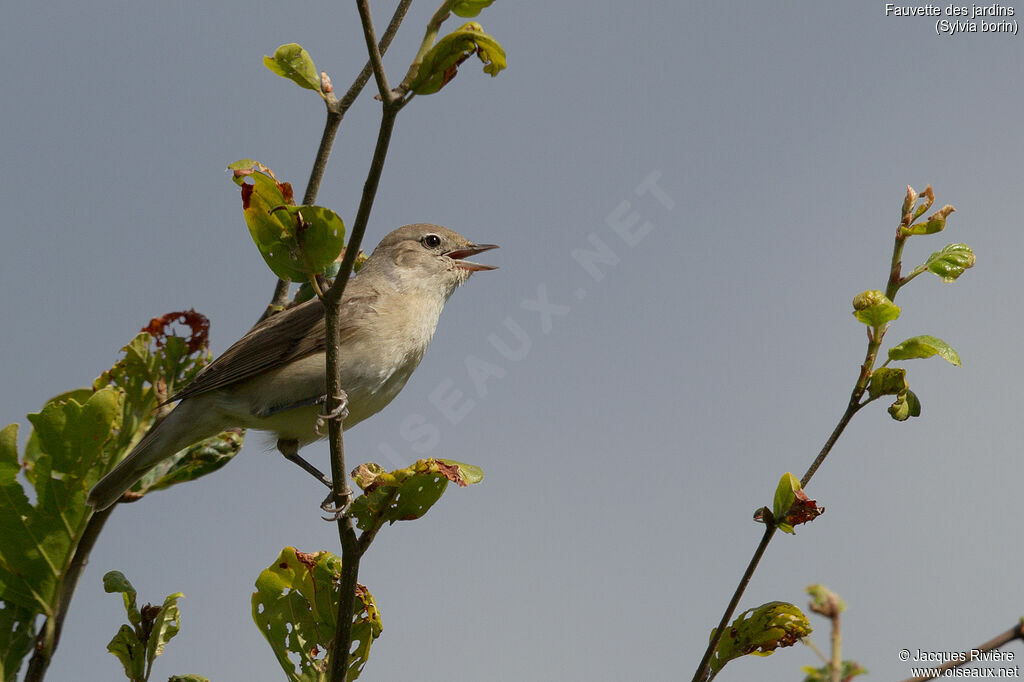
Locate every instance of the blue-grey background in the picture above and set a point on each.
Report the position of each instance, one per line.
(626, 450)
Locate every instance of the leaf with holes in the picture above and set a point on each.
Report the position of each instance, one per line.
(406, 494)
(760, 631)
(295, 607)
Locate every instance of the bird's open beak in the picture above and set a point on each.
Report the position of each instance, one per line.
(458, 254)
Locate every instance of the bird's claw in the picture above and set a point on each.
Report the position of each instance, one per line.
(334, 513)
(340, 411)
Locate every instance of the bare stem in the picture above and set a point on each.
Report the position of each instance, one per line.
(375, 57)
(385, 41)
(1016, 632)
(836, 664)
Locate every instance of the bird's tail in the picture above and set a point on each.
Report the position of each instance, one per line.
(177, 431)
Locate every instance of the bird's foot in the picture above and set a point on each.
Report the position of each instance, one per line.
(340, 411)
(334, 512)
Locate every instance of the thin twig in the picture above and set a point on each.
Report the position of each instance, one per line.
(279, 300)
(1016, 632)
(51, 629)
(389, 33)
(351, 551)
(376, 61)
(851, 409)
(705, 663)
(336, 109)
(836, 664)
(860, 388)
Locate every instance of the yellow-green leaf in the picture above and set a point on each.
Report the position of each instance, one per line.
(874, 309)
(291, 61)
(295, 607)
(950, 262)
(441, 63)
(760, 631)
(924, 346)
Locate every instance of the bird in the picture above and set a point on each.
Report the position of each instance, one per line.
(274, 378)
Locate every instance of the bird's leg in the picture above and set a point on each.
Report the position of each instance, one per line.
(340, 411)
(290, 449)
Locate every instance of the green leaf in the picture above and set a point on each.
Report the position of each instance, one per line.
(157, 357)
(406, 494)
(825, 601)
(291, 61)
(17, 637)
(469, 8)
(936, 222)
(139, 644)
(791, 506)
(165, 625)
(874, 309)
(193, 462)
(36, 540)
(950, 262)
(760, 631)
(187, 678)
(785, 495)
(848, 670)
(297, 242)
(887, 381)
(294, 606)
(127, 648)
(913, 403)
(319, 236)
(924, 347)
(114, 581)
(441, 63)
(899, 410)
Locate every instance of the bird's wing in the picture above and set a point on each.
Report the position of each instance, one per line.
(278, 340)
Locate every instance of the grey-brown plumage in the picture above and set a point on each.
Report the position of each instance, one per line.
(273, 378)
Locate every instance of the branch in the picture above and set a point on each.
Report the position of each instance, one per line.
(433, 27)
(705, 663)
(336, 109)
(385, 41)
(52, 627)
(855, 404)
(1016, 632)
(376, 62)
(351, 550)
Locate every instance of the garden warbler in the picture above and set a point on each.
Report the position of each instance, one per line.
(273, 378)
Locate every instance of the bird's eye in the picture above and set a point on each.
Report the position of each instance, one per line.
(431, 241)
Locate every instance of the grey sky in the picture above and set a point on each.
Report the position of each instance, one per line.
(650, 415)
